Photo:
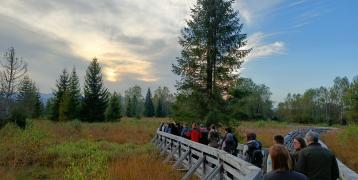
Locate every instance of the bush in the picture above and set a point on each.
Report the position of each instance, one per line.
(18, 147)
(83, 159)
(18, 116)
(350, 132)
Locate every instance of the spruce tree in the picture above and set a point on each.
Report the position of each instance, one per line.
(129, 107)
(74, 92)
(212, 53)
(113, 111)
(61, 88)
(29, 98)
(148, 105)
(159, 110)
(95, 94)
(135, 109)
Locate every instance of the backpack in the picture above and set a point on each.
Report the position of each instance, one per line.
(254, 153)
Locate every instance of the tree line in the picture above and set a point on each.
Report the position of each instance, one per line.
(20, 97)
(97, 104)
(332, 105)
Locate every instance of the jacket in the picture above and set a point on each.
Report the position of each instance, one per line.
(317, 163)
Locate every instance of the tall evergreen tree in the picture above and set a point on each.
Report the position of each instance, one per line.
(95, 94)
(159, 110)
(135, 109)
(129, 111)
(74, 92)
(212, 52)
(61, 89)
(113, 111)
(28, 98)
(148, 105)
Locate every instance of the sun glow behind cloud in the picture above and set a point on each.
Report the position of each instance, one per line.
(127, 36)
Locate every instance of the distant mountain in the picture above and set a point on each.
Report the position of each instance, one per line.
(45, 97)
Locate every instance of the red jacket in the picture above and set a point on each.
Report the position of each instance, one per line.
(195, 135)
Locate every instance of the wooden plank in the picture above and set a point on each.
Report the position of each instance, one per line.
(233, 171)
(171, 154)
(193, 168)
(181, 159)
(213, 173)
(165, 149)
(188, 148)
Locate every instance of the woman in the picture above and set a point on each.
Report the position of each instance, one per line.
(213, 137)
(281, 165)
(298, 144)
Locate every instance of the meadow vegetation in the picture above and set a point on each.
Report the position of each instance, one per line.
(75, 150)
(344, 143)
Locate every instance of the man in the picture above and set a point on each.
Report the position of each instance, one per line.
(252, 150)
(277, 139)
(315, 161)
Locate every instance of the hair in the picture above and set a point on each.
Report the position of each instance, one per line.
(251, 136)
(281, 159)
(212, 126)
(228, 129)
(279, 139)
(194, 125)
(301, 141)
(312, 136)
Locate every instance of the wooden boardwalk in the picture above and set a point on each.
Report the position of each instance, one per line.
(204, 161)
(211, 163)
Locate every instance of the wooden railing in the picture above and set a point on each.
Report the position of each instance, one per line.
(344, 172)
(204, 161)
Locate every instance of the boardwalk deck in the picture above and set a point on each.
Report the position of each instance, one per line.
(211, 163)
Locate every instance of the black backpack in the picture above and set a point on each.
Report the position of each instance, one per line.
(255, 155)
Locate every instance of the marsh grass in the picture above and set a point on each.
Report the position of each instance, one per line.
(75, 150)
(344, 144)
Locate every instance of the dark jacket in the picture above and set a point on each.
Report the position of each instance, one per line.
(317, 163)
(284, 175)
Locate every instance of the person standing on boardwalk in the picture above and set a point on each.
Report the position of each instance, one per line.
(281, 168)
(298, 144)
(315, 161)
(194, 134)
(213, 137)
(277, 139)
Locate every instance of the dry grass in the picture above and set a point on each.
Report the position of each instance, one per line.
(344, 149)
(25, 153)
(146, 166)
(127, 131)
(264, 130)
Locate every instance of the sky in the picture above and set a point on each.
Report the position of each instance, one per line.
(297, 44)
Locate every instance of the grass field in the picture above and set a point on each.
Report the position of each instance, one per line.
(75, 150)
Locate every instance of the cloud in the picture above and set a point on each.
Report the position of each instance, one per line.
(254, 11)
(131, 38)
(260, 49)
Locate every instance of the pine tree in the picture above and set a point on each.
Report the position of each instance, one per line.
(129, 107)
(149, 107)
(62, 87)
(95, 94)
(28, 98)
(113, 111)
(135, 112)
(64, 107)
(212, 52)
(159, 110)
(74, 92)
(39, 106)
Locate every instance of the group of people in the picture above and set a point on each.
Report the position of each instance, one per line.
(201, 134)
(308, 160)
